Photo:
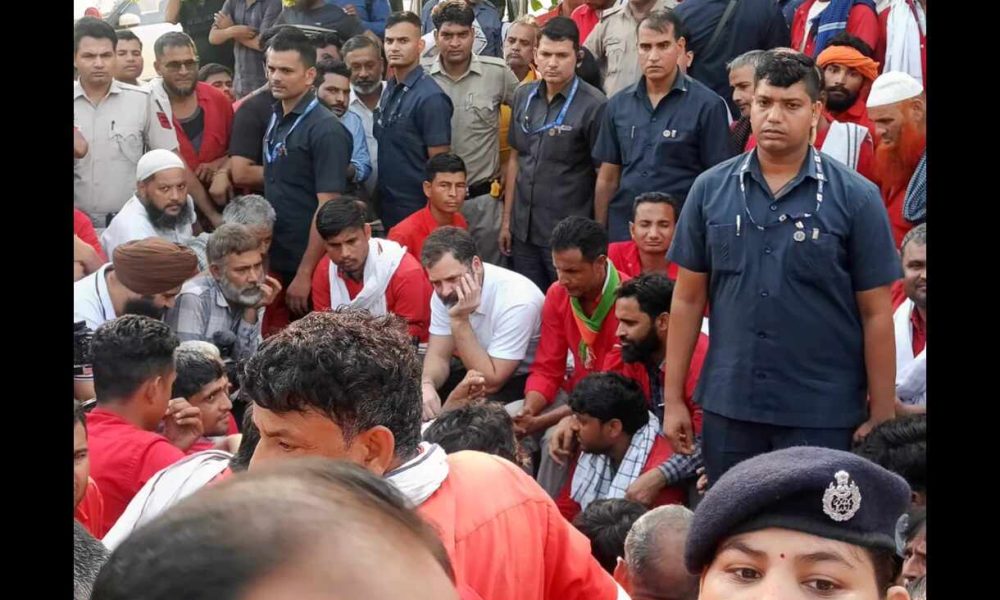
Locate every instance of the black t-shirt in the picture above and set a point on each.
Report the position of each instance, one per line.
(327, 16)
(194, 128)
(249, 125)
(197, 17)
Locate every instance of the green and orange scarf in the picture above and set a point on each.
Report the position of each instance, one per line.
(590, 326)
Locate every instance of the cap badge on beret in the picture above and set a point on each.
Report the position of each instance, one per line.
(842, 500)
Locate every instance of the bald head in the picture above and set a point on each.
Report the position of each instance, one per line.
(309, 529)
(654, 556)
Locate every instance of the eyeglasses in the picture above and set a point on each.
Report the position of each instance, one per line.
(188, 65)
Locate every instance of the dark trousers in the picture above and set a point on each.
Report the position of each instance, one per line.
(534, 262)
(726, 441)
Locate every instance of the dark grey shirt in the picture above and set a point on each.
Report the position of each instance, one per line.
(248, 72)
(555, 171)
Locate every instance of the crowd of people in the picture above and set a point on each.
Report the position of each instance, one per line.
(624, 300)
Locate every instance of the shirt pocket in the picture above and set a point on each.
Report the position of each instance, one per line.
(626, 141)
(676, 147)
(814, 259)
(614, 49)
(128, 140)
(725, 249)
(484, 108)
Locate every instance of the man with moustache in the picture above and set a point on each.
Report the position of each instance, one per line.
(910, 322)
(160, 207)
(231, 296)
(741, 70)
(129, 53)
(412, 121)
(897, 107)
(848, 73)
(333, 88)
(363, 57)
(200, 115)
(519, 53)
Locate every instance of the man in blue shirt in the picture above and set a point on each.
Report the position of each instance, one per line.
(794, 253)
(412, 121)
(372, 13)
(333, 88)
(306, 156)
(659, 133)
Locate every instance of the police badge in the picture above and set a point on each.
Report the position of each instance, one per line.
(841, 501)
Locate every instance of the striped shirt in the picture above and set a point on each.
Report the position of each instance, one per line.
(201, 310)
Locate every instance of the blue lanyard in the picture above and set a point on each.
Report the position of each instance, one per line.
(394, 115)
(559, 118)
(784, 217)
(271, 150)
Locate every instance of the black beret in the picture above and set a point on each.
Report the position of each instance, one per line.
(828, 493)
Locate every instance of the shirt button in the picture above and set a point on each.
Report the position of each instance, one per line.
(764, 294)
(773, 207)
(767, 250)
(761, 334)
(645, 173)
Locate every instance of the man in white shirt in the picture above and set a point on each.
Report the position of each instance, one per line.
(160, 207)
(364, 58)
(487, 316)
(910, 323)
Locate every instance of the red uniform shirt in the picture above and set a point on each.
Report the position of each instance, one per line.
(560, 334)
(658, 454)
(123, 458)
(84, 229)
(218, 119)
(408, 294)
(625, 256)
(862, 22)
(414, 229)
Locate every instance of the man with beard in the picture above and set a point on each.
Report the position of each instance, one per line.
(231, 296)
(360, 271)
(477, 86)
(413, 121)
(848, 73)
(201, 115)
(654, 215)
(333, 88)
(160, 207)
(643, 312)
(129, 54)
(897, 107)
(910, 321)
(364, 57)
(483, 318)
(794, 253)
(741, 71)
(619, 442)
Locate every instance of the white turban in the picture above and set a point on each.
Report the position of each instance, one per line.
(893, 87)
(155, 161)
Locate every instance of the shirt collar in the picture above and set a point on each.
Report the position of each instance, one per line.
(916, 319)
(412, 77)
(808, 169)
(681, 82)
(542, 93)
(475, 66)
(300, 107)
(102, 291)
(115, 88)
(355, 99)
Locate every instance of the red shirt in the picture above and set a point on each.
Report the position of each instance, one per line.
(414, 229)
(894, 199)
(84, 229)
(862, 22)
(638, 372)
(919, 331)
(586, 19)
(218, 119)
(408, 294)
(560, 334)
(625, 256)
(90, 511)
(544, 18)
(505, 537)
(883, 41)
(658, 454)
(123, 458)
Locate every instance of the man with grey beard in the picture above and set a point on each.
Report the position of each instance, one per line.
(231, 296)
(161, 206)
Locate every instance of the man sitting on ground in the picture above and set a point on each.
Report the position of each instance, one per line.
(379, 276)
(202, 381)
(606, 523)
(652, 565)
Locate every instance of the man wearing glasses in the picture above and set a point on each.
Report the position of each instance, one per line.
(200, 115)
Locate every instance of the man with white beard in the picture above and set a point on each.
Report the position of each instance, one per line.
(230, 296)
